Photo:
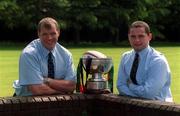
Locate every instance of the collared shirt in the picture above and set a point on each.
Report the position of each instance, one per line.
(153, 76)
(33, 66)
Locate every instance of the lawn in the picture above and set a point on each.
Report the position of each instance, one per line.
(9, 57)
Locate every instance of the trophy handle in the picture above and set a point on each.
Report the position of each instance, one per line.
(80, 79)
(88, 68)
(110, 78)
(80, 86)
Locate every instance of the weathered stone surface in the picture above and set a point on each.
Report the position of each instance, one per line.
(85, 104)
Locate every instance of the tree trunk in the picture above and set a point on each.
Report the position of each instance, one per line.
(115, 36)
(76, 36)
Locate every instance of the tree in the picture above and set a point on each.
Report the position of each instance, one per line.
(10, 12)
(112, 15)
(80, 13)
(153, 12)
(171, 22)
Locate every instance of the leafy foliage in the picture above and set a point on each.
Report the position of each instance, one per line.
(9, 13)
(114, 15)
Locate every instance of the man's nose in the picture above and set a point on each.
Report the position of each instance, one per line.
(136, 39)
(49, 36)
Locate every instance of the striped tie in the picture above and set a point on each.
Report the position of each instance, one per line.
(134, 69)
(50, 66)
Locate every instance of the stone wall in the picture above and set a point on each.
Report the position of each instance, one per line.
(85, 105)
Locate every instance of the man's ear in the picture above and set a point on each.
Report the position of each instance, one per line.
(150, 36)
(38, 33)
(59, 32)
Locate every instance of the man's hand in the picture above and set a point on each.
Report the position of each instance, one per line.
(65, 86)
(129, 81)
(46, 88)
(47, 80)
(42, 89)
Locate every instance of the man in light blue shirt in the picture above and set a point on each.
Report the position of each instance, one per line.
(153, 73)
(33, 64)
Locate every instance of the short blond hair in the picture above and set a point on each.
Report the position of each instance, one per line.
(47, 23)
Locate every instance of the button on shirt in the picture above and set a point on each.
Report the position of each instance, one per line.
(33, 66)
(153, 76)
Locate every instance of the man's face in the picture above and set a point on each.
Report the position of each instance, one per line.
(138, 38)
(49, 36)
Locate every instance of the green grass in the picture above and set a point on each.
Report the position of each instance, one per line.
(9, 57)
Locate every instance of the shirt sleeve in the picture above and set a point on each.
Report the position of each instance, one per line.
(156, 79)
(29, 70)
(122, 84)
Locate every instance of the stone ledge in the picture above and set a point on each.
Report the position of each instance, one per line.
(81, 104)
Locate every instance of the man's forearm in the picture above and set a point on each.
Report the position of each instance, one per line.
(65, 86)
(42, 89)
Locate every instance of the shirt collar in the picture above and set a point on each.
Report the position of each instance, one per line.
(143, 52)
(45, 51)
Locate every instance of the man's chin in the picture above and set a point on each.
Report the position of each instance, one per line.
(50, 47)
(137, 49)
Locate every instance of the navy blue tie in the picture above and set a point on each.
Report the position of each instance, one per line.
(134, 68)
(50, 66)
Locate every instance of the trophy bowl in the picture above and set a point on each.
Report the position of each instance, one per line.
(96, 67)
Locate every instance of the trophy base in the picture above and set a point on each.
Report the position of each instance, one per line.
(97, 87)
(92, 91)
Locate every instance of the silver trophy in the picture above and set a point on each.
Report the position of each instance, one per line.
(98, 69)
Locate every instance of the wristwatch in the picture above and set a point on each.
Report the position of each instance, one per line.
(46, 80)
